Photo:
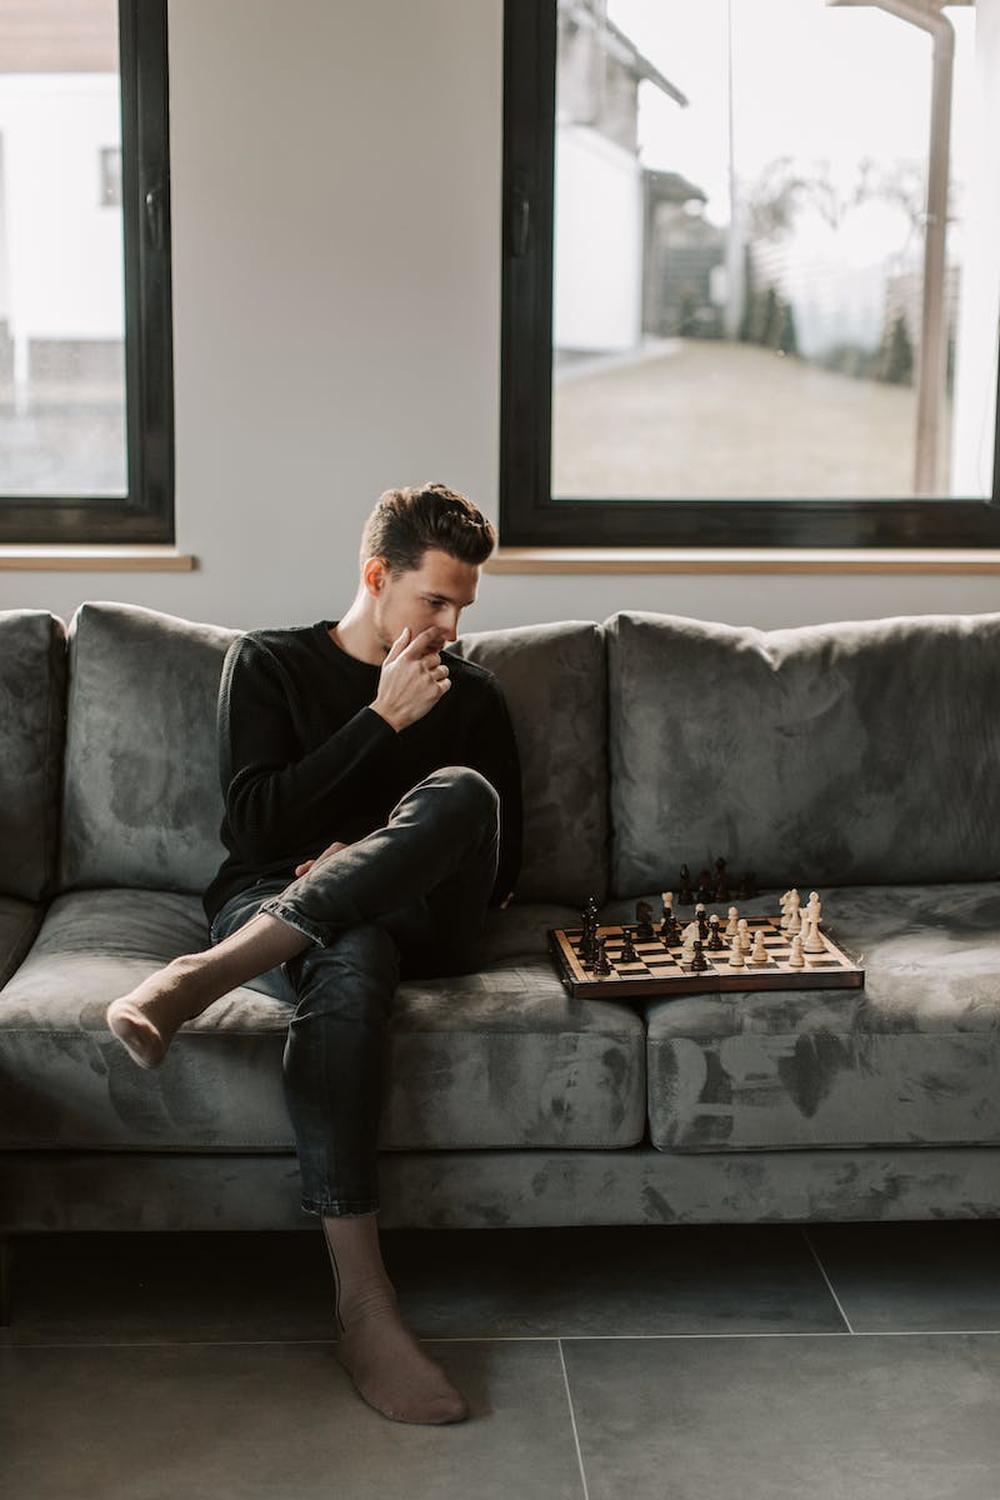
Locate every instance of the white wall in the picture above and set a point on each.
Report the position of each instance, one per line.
(336, 257)
(597, 243)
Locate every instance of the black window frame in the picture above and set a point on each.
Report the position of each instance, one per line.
(146, 513)
(528, 514)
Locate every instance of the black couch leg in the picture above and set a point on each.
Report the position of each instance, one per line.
(6, 1270)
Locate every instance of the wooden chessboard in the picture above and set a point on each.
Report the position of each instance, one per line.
(658, 971)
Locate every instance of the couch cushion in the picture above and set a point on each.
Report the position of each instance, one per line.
(912, 1058)
(32, 732)
(19, 922)
(554, 681)
(499, 1058)
(855, 753)
(142, 803)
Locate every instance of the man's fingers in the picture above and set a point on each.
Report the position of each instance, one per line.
(422, 642)
(398, 644)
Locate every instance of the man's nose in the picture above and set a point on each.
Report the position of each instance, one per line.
(450, 628)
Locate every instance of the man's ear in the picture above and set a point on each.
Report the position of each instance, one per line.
(373, 574)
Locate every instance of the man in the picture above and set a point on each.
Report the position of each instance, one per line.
(372, 815)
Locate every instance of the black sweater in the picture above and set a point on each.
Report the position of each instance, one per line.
(304, 759)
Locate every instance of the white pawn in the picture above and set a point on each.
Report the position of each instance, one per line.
(812, 942)
(759, 954)
(792, 913)
(743, 933)
(731, 924)
(815, 907)
(736, 959)
(667, 897)
(797, 959)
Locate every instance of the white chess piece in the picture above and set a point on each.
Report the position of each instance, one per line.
(815, 907)
(743, 933)
(736, 959)
(731, 924)
(759, 954)
(812, 942)
(792, 910)
(689, 934)
(667, 897)
(797, 960)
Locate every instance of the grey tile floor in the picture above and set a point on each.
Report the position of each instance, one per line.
(750, 1361)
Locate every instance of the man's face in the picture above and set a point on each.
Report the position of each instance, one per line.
(436, 593)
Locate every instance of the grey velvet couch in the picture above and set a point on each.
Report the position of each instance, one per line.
(857, 758)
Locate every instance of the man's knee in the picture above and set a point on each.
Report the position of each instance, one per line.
(470, 791)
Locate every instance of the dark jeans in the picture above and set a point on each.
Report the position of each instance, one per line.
(408, 901)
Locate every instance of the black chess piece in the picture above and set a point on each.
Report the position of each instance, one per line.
(699, 963)
(644, 921)
(748, 885)
(669, 930)
(715, 943)
(704, 891)
(721, 881)
(702, 919)
(587, 938)
(685, 895)
(602, 963)
(628, 953)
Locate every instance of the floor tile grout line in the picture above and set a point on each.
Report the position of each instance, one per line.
(517, 1338)
(572, 1418)
(826, 1278)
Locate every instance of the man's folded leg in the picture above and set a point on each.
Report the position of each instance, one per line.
(440, 840)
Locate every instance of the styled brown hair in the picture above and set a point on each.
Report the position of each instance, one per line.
(408, 521)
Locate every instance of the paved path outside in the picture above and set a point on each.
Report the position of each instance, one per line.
(731, 421)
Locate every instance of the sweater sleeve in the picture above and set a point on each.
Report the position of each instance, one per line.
(493, 751)
(281, 804)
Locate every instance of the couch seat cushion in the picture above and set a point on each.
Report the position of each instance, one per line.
(499, 1058)
(912, 1058)
(19, 921)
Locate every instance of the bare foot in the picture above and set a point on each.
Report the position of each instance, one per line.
(391, 1371)
(145, 1019)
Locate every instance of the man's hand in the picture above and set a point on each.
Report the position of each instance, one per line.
(307, 864)
(413, 677)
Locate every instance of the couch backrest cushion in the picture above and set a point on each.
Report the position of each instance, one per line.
(32, 738)
(142, 802)
(848, 753)
(554, 682)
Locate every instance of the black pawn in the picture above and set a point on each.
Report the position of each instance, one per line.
(704, 891)
(702, 919)
(715, 943)
(629, 955)
(670, 929)
(685, 895)
(748, 886)
(602, 963)
(699, 963)
(721, 881)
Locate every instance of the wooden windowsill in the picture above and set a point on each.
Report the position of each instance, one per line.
(743, 560)
(130, 558)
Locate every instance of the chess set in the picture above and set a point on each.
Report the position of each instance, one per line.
(709, 954)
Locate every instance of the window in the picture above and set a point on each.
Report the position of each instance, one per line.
(751, 275)
(86, 389)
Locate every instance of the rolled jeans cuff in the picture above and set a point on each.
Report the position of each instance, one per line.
(317, 932)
